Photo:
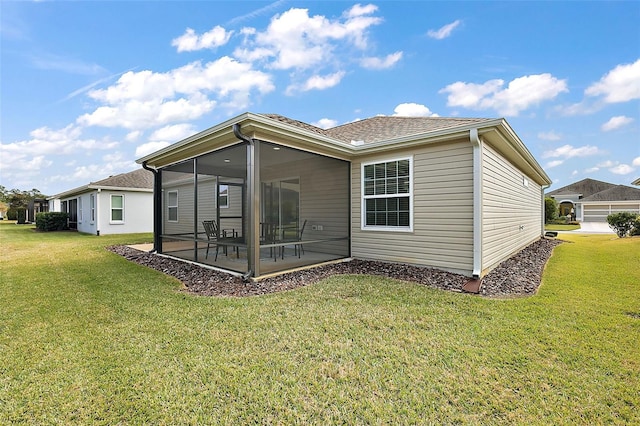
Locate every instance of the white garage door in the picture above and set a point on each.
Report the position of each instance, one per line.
(599, 212)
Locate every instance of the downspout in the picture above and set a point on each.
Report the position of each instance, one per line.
(253, 184)
(544, 208)
(96, 206)
(157, 207)
(477, 202)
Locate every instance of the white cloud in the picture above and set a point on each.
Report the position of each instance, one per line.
(413, 110)
(173, 133)
(622, 169)
(149, 147)
(549, 136)
(294, 39)
(616, 122)
(375, 63)
(520, 94)
(46, 141)
(140, 100)
(574, 173)
(317, 82)
(325, 123)
(445, 31)
(636, 162)
(134, 136)
(164, 137)
(190, 41)
(592, 170)
(621, 84)
(554, 163)
(568, 151)
(607, 163)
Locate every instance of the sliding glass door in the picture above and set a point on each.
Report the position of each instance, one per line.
(281, 203)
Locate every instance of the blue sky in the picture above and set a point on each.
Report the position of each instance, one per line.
(89, 87)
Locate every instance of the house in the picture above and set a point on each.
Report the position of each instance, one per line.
(458, 194)
(37, 205)
(636, 182)
(592, 200)
(119, 204)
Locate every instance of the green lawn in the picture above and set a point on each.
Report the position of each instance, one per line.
(560, 227)
(87, 337)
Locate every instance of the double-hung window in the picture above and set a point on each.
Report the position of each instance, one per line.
(117, 209)
(387, 195)
(92, 207)
(223, 196)
(172, 206)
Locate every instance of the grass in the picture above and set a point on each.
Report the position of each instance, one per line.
(88, 337)
(560, 227)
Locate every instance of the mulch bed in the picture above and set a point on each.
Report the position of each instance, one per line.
(517, 276)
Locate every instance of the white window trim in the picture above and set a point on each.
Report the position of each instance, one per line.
(228, 201)
(111, 221)
(80, 210)
(170, 206)
(92, 208)
(363, 211)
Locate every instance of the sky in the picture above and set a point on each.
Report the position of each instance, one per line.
(88, 87)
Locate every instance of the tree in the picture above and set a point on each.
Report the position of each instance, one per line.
(550, 209)
(622, 223)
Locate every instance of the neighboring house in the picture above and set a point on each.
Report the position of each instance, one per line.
(458, 194)
(593, 200)
(37, 205)
(119, 204)
(636, 182)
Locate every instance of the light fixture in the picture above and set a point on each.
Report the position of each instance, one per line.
(276, 148)
(226, 160)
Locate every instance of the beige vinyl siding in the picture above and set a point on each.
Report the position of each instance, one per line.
(324, 200)
(184, 225)
(442, 235)
(511, 209)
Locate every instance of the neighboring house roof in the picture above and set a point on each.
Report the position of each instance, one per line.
(616, 193)
(139, 180)
(636, 182)
(347, 141)
(585, 188)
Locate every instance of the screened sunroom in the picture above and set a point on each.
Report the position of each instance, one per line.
(255, 208)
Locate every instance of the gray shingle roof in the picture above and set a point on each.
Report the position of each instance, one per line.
(616, 193)
(380, 128)
(586, 187)
(140, 178)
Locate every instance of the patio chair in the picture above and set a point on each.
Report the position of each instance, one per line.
(297, 246)
(214, 238)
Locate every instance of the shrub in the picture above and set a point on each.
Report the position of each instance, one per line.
(636, 227)
(550, 209)
(622, 223)
(21, 214)
(51, 221)
(12, 214)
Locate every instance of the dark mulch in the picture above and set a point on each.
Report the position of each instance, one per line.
(517, 276)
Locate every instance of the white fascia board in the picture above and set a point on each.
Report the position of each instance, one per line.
(118, 188)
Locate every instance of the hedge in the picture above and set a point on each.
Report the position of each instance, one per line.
(51, 221)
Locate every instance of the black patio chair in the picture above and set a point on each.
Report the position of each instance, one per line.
(298, 247)
(217, 238)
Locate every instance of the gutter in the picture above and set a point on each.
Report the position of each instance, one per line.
(253, 185)
(157, 208)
